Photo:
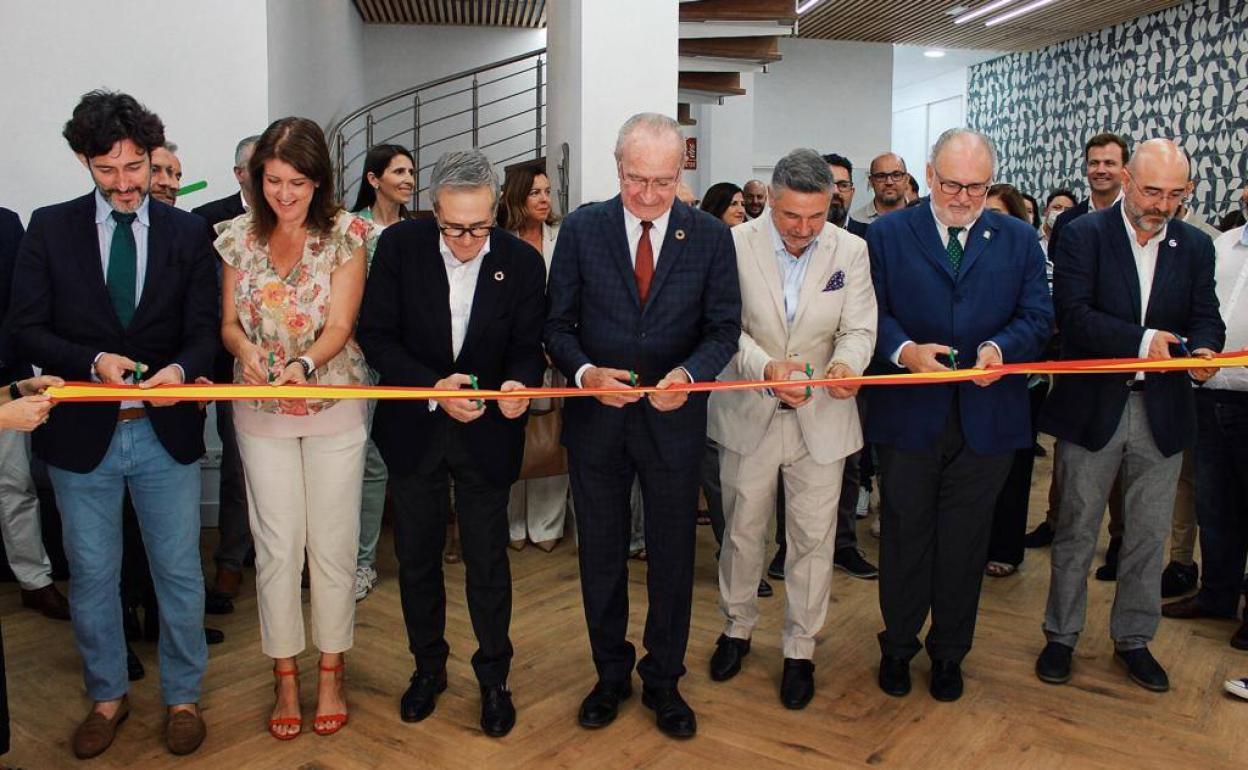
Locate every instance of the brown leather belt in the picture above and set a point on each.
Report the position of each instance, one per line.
(133, 413)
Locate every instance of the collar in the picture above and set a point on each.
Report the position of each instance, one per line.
(103, 211)
(243, 200)
(1092, 204)
(632, 221)
(453, 262)
(777, 242)
(1135, 244)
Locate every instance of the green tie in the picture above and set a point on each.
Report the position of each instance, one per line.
(953, 248)
(123, 267)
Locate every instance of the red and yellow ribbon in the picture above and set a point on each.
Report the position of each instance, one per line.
(89, 392)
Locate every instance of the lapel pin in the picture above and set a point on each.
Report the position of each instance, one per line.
(987, 235)
(498, 276)
(1173, 243)
(680, 235)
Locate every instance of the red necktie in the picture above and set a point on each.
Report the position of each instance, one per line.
(643, 268)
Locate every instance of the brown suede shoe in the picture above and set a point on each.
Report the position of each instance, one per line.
(228, 582)
(184, 731)
(48, 601)
(96, 733)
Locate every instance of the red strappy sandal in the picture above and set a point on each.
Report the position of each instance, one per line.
(276, 722)
(335, 721)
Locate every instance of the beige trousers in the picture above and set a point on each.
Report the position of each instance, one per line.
(303, 494)
(537, 508)
(812, 492)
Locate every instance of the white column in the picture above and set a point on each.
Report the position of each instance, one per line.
(607, 61)
(726, 146)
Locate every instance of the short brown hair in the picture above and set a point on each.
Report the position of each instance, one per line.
(1104, 140)
(516, 187)
(301, 143)
(1012, 199)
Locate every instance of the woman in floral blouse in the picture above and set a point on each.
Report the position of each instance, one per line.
(293, 278)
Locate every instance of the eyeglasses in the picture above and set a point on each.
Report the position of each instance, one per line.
(890, 176)
(459, 231)
(974, 189)
(844, 185)
(662, 184)
(1155, 194)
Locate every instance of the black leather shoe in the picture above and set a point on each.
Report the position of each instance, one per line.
(1144, 669)
(894, 676)
(216, 603)
(1239, 640)
(498, 715)
(1179, 579)
(1190, 608)
(797, 683)
(1040, 537)
(134, 666)
(672, 714)
(603, 703)
(946, 684)
(213, 635)
(726, 661)
(776, 568)
(421, 696)
(1109, 570)
(764, 589)
(1053, 665)
(853, 562)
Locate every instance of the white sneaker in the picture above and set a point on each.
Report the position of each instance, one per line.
(864, 503)
(875, 526)
(366, 579)
(1237, 687)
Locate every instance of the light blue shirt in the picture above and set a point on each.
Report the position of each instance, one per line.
(105, 225)
(792, 270)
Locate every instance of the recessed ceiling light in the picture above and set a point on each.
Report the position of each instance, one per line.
(983, 10)
(934, 53)
(956, 10)
(806, 5)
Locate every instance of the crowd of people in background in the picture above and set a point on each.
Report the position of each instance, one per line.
(791, 279)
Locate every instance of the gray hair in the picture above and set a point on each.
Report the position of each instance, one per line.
(655, 123)
(171, 147)
(956, 133)
(242, 146)
(802, 170)
(462, 169)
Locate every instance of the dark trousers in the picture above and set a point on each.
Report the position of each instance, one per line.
(1009, 519)
(1222, 496)
(422, 510)
(601, 480)
(235, 529)
(936, 514)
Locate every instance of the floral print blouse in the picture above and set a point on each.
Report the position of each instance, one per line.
(284, 316)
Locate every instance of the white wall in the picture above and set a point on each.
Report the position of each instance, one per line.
(921, 112)
(725, 139)
(823, 95)
(200, 66)
(315, 59)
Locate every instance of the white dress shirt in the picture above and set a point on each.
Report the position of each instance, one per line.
(1231, 277)
(1145, 266)
(462, 280)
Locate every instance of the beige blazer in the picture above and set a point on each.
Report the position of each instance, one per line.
(835, 322)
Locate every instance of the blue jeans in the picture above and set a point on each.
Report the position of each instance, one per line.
(166, 497)
(1222, 497)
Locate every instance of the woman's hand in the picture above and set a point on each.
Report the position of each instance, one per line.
(255, 365)
(25, 414)
(35, 386)
(292, 375)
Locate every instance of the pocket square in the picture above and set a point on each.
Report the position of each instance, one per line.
(837, 281)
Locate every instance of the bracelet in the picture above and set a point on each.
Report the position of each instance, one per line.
(15, 392)
(306, 363)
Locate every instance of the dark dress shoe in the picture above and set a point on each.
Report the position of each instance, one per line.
(797, 683)
(47, 601)
(1144, 669)
(946, 684)
(421, 696)
(853, 562)
(603, 703)
(213, 635)
(1190, 608)
(764, 589)
(776, 568)
(1179, 579)
(894, 676)
(218, 603)
(498, 715)
(134, 666)
(672, 714)
(1109, 570)
(1040, 537)
(1053, 665)
(726, 661)
(1239, 640)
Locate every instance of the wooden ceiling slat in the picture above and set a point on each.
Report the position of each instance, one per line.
(499, 13)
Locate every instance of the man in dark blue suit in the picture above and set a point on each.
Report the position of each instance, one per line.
(643, 291)
(957, 286)
(843, 195)
(107, 286)
(1128, 281)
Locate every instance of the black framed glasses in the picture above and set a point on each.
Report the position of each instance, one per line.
(974, 189)
(888, 176)
(844, 185)
(459, 231)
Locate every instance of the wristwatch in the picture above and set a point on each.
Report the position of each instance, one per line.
(15, 392)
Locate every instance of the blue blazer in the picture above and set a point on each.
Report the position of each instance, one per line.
(1000, 294)
(62, 318)
(692, 318)
(1097, 293)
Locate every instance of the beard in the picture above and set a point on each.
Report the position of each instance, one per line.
(1141, 217)
(837, 212)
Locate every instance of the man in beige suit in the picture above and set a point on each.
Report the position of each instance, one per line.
(808, 309)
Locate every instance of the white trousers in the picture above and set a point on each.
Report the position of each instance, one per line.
(304, 494)
(812, 492)
(19, 513)
(537, 508)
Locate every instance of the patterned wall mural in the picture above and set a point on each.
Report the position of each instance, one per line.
(1180, 73)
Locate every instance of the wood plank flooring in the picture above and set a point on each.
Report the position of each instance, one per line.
(1007, 718)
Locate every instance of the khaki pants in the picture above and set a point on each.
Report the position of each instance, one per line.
(304, 494)
(812, 492)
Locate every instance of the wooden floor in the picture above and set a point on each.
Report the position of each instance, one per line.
(1007, 718)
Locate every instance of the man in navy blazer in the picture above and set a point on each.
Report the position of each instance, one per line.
(957, 286)
(643, 289)
(1129, 281)
(106, 284)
